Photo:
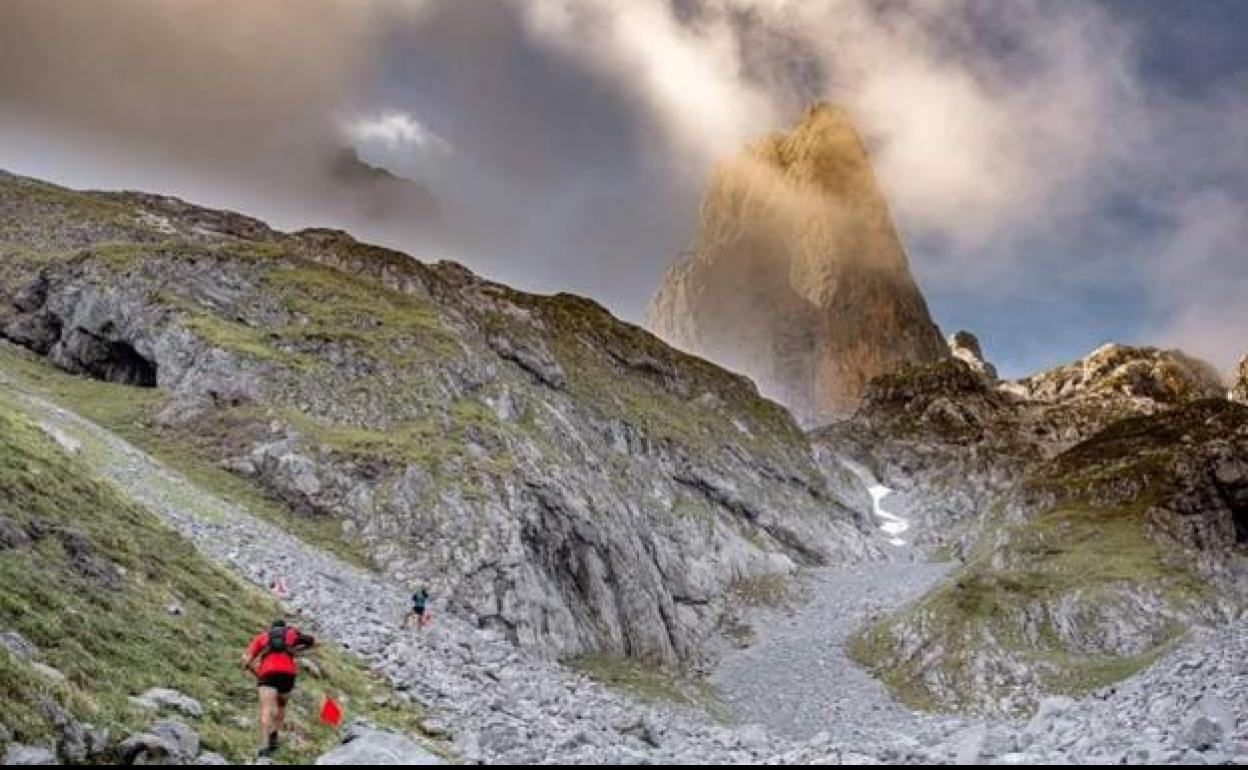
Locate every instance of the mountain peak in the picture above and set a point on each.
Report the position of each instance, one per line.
(824, 149)
(797, 276)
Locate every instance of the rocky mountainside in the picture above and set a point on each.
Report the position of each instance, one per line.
(551, 472)
(119, 642)
(962, 439)
(797, 276)
(1098, 510)
(486, 700)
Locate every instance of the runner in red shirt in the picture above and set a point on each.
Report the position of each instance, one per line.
(271, 657)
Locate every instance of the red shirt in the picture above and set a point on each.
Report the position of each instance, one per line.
(276, 662)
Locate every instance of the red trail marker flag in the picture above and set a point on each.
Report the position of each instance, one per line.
(331, 713)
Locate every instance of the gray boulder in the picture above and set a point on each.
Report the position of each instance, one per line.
(159, 698)
(367, 746)
(179, 734)
(73, 742)
(168, 741)
(146, 749)
(28, 755)
(1202, 733)
(211, 758)
(18, 645)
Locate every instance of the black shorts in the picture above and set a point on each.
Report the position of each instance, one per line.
(283, 683)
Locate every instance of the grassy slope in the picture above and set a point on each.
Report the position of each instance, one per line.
(114, 641)
(127, 411)
(651, 683)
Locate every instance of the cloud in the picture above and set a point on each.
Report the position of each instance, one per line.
(398, 141)
(1202, 286)
(980, 116)
(1004, 134)
(688, 72)
(395, 130)
(239, 98)
(1030, 154)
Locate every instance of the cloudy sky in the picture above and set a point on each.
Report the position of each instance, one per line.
(1064, 173)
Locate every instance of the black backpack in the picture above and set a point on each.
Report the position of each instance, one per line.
(277, 640)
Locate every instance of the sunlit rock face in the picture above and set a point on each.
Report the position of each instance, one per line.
(1239, 391)
(965, 347)
(797, 276)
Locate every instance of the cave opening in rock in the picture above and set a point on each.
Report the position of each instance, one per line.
(127, 366)
(104, 359)
(1239, 515)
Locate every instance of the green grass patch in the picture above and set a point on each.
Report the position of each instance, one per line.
(769, 590)
(332, 305)
(1095, 556)
(431, 442)
(874, 648)
(112, 637)
(649, 682)
(246, 340)
(127, 411)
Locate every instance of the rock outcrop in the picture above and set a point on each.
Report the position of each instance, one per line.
(1239, 390)
(965, 347)
(551, 472)
(797, 276)
(950, 440)
(1096, 509)
(1093, 565)
(1117, 372)
(366, 746)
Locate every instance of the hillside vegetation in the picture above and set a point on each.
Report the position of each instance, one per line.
(118, 604)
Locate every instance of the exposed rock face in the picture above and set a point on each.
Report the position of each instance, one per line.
(158, 698)
(964, 440)
(28, 755)
(1114, 371)
(1096, 509)
(551, 472)
(797, 276)
(965, 347)
(365, 746)
(1094, 565)
(1239, 391)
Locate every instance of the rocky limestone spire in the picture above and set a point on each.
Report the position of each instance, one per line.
(1239, 390)
(797, 276)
